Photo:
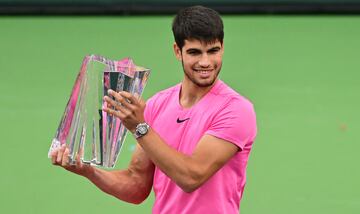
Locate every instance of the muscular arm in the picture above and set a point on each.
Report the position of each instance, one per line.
(132, 185)
(188, 172)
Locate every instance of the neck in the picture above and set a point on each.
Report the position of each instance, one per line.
(191, 93)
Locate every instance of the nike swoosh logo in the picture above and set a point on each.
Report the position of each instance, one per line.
(180, 121)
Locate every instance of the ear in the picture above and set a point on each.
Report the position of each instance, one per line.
(177, 51)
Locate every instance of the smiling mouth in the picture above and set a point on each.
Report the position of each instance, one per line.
(203, 71)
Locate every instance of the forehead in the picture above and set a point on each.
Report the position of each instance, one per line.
(198, 44)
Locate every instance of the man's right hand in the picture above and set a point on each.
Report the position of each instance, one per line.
(60, 157)
(132, 185)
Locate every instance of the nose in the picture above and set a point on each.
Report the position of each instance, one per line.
(204, 61)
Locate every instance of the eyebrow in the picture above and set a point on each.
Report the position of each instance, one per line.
(214, 48)
(198, 50)
(193, 50)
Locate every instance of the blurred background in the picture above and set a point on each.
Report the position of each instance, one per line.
(296, 60)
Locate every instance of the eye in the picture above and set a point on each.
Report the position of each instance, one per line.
(213, 51)
(193, 52)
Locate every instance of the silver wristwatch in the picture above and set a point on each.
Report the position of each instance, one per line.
(141, 130)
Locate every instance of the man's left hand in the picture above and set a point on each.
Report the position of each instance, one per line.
(127, 107)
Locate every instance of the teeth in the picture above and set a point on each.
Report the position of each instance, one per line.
(203, 72)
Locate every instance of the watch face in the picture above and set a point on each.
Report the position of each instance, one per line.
(142, 130)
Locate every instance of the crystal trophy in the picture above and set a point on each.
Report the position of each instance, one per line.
(88, 130)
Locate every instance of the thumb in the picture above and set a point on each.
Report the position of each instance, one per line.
(137, 96)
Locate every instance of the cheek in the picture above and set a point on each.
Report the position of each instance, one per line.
(218, 61)
(187, 66)
(187, 62)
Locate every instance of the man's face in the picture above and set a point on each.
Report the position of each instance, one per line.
(201, 61)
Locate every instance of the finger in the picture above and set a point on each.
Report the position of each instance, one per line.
(133, 100)
(65, 158)
(136, 99)
(121, 99)
(124, 111)
(54, 156)
(107, 103)
(78, 158)
(60, 153)
(118, 114)
(113, 103)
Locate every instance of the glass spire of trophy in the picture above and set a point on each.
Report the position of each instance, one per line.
(88, 130)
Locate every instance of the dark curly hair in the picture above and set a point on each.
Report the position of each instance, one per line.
(197, 22)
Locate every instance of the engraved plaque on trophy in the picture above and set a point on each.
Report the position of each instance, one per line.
(87, 129)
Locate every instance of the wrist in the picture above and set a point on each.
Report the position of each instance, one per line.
(141, 130)
(88, 171)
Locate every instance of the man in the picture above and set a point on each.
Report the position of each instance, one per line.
(193, 139)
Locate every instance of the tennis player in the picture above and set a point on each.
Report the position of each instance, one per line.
(194, 138)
